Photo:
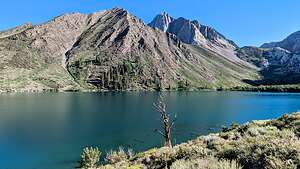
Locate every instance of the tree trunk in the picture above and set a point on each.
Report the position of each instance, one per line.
(167, 126)
(168, 142)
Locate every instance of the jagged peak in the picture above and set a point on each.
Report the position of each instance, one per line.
(164, 13)
(161, 21)
(183, 19)
(118, 10)
(121, 12)
(191, 31)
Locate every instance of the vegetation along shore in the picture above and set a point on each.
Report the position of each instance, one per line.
(269, 144)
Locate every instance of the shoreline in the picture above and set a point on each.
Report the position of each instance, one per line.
(262, 89)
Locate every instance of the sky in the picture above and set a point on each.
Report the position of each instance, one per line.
(247, 22)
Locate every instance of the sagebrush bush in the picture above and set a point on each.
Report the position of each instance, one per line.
(186, 150)
(205, 163)
(273, 149)
(113, 157)
(90, 157)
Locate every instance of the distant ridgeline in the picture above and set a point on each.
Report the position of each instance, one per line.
(114, 50)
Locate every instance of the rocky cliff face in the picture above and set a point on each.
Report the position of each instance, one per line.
(187, 31)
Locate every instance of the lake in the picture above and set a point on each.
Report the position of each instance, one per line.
(48, 131)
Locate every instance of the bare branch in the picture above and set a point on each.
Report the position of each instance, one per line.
(174, 120)
(160, 132)
(172, 125)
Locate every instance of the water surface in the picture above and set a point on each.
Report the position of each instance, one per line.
(48, 131)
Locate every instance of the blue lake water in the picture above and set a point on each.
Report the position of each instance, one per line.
(48, 131)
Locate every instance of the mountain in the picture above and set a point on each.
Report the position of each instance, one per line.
(114, 50)
(193, 33)
(121, 52)
(291, 43)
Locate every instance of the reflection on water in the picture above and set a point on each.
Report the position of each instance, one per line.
(49, 130)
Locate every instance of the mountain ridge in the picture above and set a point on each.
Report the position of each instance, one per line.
(115, 50)
(165, 22)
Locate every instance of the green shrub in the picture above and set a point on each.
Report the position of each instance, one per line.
(188, 150)
(234, 125)
(90, 157)
(273, 149)
(118, 156)
(205, 163)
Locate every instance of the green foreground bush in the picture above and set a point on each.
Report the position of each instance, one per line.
(89, 158)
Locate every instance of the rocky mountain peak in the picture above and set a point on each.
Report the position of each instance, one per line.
(118, 10)
(196, 23)
(191, 32)
(187, 31)
(161, 21)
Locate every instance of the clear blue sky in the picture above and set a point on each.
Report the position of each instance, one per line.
(247, 22)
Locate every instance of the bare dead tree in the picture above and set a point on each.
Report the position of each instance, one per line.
(160, 107)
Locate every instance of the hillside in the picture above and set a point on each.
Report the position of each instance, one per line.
(32, 57)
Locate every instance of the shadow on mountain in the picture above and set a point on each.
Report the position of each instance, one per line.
(270, 78)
